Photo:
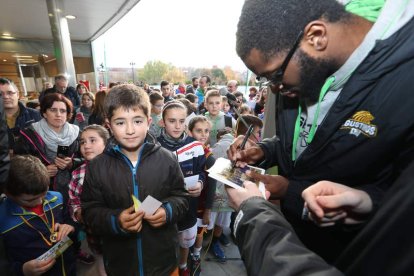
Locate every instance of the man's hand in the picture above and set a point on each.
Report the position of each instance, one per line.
(131, 221)
(237, 196)
(251, 154)
(63, 230)
(196, 190)
(36, 267)
(158, 219)
(329, 202)
(52, 170)
(63, 163)
(275, 184)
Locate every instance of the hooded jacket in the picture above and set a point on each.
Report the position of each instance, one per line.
(364, 141)
(4, 149)
(24, 244)
(110, 181)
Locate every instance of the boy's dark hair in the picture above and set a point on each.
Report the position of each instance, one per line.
(127, 96)
(195, 120)
(27, 175)
(50, 98)
(272, 26)
(164, 83)
(241, 129)
(154, 97)
(173, 104)
(102, 132)
(191, 97)
(194, 78)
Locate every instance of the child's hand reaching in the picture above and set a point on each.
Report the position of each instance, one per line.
(196, 190)
(158, 219)
(36, 267)
(63, 230)
(131, 221)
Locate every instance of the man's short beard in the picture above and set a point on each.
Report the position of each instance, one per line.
(313, 74)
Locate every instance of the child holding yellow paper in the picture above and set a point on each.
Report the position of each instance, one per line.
(134, 164)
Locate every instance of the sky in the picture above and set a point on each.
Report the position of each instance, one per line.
(185, 33)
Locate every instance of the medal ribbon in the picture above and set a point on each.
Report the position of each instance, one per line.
(51, 229)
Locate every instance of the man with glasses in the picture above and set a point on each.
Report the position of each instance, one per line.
(17, 115)
(343, 78)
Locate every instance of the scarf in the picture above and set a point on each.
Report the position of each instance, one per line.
(66, 137)
(171, 143)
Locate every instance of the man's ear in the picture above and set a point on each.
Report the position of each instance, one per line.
(315, 38)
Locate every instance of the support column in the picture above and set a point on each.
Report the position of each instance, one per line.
(22, 78)
(61, 40)
(41, 61)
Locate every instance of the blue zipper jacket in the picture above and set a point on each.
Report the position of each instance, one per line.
(110, 181)
(24, 244)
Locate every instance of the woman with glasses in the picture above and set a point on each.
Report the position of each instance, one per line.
(43, 138)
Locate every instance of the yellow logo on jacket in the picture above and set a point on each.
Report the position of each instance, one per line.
(359, 123)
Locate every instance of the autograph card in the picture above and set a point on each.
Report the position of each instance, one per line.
(234, 177)
(56, 250)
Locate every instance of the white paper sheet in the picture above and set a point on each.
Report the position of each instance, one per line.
(191, 181)
(150, 205)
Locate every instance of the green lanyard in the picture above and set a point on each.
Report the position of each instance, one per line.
(298, 128)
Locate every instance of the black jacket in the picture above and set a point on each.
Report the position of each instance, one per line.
(32, 143)
(365, 141)
(27, 116)
(109, 183)
(4, 147)
(269, 246)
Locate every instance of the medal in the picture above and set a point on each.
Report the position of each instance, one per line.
(51, 227)
(53, 237)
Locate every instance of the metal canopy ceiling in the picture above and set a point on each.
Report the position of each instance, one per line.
(28, 19)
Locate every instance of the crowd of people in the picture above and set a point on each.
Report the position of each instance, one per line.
(138, 134)
(343, 147)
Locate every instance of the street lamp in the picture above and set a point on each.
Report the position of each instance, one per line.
(132, 70)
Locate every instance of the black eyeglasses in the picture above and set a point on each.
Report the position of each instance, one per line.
(276, 77)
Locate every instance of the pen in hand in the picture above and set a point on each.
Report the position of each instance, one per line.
(243, 144)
